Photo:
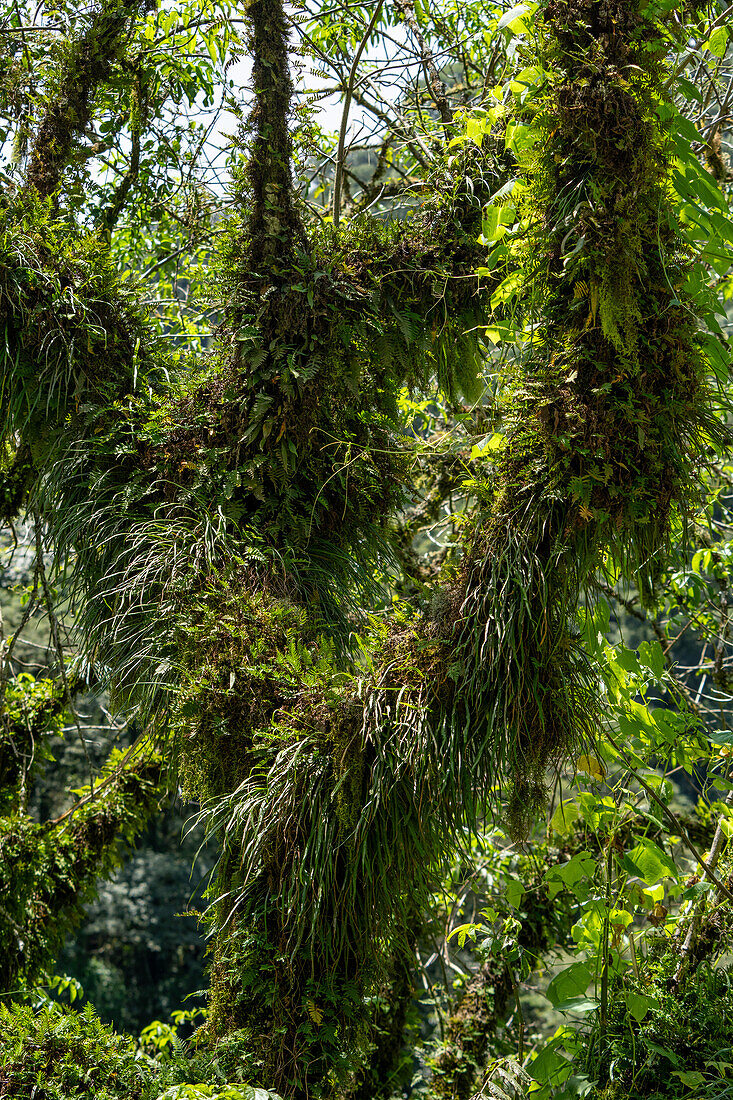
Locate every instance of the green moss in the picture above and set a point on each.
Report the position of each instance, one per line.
(85, 63)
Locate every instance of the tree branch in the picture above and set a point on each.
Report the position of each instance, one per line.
(88, 65)
(345, 113)
(435, 84)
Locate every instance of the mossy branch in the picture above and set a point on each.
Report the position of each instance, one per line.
(274, 223)
(88, 64)
(47, 872)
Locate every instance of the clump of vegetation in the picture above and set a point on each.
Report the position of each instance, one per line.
(610, 408)
(685, 1040)
(33, 710)
(55, 1053)
(74, 1054)
(48, 871)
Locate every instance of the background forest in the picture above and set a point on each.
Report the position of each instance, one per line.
(366, 491)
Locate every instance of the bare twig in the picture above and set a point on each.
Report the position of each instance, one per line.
(338, 178)
(432, 77)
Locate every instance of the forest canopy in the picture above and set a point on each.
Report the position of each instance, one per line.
(366, 473)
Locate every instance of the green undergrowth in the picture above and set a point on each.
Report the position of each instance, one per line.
(55, 1053)
(682, 1044)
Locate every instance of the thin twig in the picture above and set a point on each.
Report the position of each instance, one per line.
(337, 181)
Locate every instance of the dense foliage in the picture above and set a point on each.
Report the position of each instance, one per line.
(523, 357)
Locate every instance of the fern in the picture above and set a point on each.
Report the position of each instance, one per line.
(505, 1079)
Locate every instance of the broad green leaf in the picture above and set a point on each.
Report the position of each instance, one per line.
(564, 817)
(462, 931)
(628, 660)
(514, 891)
(690, 1077)
(520, 139)
(640, 1005)
(717, 43)
(475, 130)
(655, 892)
(651, 656)
(620, 917)
(596, 811)
(493, 442)
(550, 1066)
(580, 867)
(580, 1005)
(569, 984)
(507, 289)
(689, 90)
(649, 862)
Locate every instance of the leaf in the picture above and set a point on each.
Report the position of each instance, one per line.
(550, 1065)
(579, 868)
(514, 891)
(570, 984)
(507, 289)
(651, 656)
(463, 930)
(590, 765)
(717, 43)
(639, 1005)
(690, 1077)
(509, 16)
(493, 442)
(495, 221)
(627, 659)
(579, 1005)
(620, 918)
(564, 817)
(494, 1090)
(512, 186)
(649, 862)
(475, 130)
(663, 1051)
(520, 139)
